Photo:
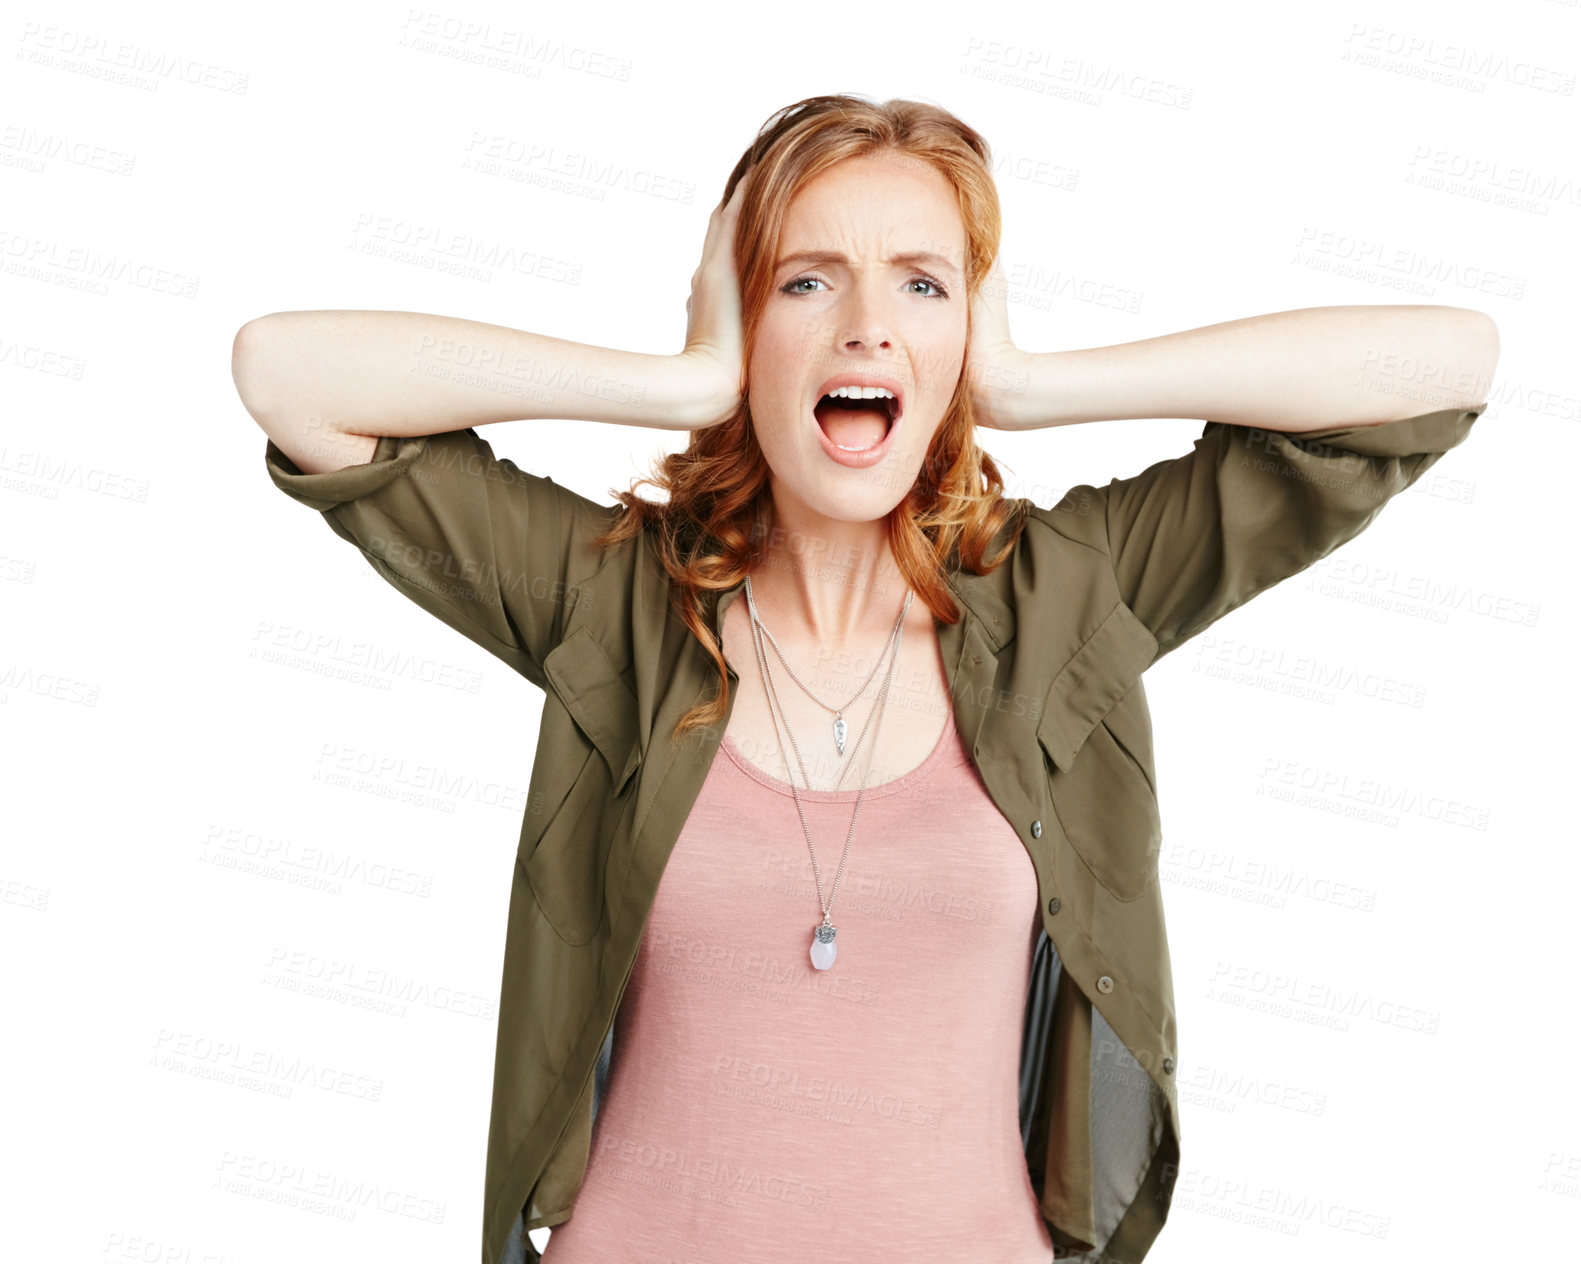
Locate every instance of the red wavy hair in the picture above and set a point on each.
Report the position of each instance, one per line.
(712, 530)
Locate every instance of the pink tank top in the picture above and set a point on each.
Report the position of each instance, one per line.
(760, 1109)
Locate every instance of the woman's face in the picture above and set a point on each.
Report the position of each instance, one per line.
(863, 309)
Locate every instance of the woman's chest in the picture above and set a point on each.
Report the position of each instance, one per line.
(823, 716)
(926, 872)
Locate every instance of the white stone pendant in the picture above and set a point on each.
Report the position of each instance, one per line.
(839, 733)
(823, 948)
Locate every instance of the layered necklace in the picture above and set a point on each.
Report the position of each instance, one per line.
(823, 945)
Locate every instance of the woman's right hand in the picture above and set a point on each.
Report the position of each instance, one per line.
(714, 338)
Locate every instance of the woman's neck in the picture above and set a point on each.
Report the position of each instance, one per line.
(829, 582)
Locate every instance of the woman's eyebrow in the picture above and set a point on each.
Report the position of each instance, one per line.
(834, 256)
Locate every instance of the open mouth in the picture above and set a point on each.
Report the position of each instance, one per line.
(855, 419)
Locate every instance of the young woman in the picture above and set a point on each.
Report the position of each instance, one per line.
(857, 874)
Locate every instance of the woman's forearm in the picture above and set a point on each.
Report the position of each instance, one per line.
(1309, 369)
(311, 377)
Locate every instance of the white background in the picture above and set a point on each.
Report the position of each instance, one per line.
(1222, 161)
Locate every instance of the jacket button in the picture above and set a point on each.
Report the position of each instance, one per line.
(1105, 983)
(1037, 829)
(1054, 904)
(1169, 1066)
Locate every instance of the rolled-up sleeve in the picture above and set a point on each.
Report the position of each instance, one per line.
(483, 545)
(1194, 537)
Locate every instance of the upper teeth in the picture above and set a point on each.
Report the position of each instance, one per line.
(862, 392)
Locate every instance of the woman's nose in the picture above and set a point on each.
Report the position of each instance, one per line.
(864, 322)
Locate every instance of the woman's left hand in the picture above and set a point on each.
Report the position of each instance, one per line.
(995, 368)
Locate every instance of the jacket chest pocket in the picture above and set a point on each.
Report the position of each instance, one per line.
(1096, 733)
(590, 737)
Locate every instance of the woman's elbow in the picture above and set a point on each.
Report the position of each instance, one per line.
(1481, 353)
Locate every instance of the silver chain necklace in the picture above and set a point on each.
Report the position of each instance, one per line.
(823, 945)
(839, 712)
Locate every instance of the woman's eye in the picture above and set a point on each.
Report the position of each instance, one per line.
(938, 290)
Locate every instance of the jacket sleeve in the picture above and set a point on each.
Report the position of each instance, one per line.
(1192, 538)
(493, 551)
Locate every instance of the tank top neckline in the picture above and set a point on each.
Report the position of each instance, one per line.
(941, 749)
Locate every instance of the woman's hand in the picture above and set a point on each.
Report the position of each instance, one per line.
(714, 338)
(995, 368)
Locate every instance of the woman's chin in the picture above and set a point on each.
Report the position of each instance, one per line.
(855, 500)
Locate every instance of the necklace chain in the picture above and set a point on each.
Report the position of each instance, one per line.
(861, 689)
(891, 646)
(758, 631)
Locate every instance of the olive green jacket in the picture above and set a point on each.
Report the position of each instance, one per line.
(1044, 669)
